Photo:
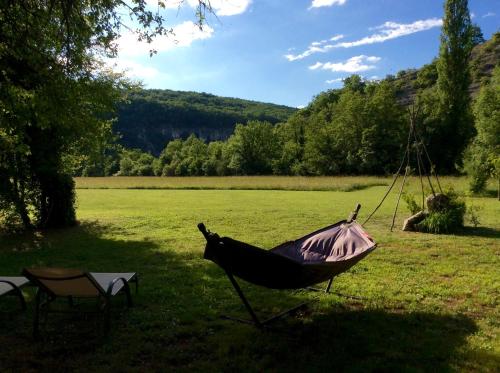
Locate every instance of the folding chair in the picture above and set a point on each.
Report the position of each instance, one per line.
(74, 284)
(12, 286)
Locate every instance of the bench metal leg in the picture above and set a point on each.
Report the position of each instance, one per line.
(36, 317)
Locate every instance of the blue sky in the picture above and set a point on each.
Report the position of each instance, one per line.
(286, 52)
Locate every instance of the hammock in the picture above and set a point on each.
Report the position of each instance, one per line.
(312, 259)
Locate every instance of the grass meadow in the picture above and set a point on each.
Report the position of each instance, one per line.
(420, 302)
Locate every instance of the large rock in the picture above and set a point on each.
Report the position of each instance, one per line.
(437, 202)
(410, 223)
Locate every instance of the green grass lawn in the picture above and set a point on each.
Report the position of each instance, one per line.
(428, 302)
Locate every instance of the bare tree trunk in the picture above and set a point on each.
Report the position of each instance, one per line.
(20, 205)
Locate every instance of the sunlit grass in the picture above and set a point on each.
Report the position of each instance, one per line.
(326, 183)
(233, 182)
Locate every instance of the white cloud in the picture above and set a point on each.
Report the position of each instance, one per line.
(352, 65)
(317, 65)
(321, 3)
(229, 7)
(314, 47)
(133, 69)
(184, 35)
(393, 30)
(387, 31)
(311, 50)
(336, 37)
(221, 7)
(489, 14)
(332, 81)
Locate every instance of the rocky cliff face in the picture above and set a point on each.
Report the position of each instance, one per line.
(154, 117)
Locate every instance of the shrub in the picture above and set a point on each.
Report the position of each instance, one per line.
(447, 220)
(411, 204)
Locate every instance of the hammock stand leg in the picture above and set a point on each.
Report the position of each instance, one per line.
(255, 320)
(326, 290)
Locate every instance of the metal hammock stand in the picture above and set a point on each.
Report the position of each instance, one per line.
(312, 259)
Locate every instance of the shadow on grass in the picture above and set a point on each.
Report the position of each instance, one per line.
(491, 193)
(68, 338)
(479, 232)
(369, 340)
(338, 337)
(175, 324)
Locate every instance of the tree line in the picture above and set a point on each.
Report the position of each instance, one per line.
(359, 129)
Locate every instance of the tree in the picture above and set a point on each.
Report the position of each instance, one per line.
(292, 139)
(216, 162)
(477, 35)
(354, 83)
(333, 135)
(170, 158)
(55, 92)
(97, 155)
(482, 158)
(426, 76)
(382, 135)
(456, 127)
(253, 147)
(357, 129)
(134, 162)
(194, 155)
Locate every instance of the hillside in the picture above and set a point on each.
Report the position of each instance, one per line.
(154, 117)
(484, 58)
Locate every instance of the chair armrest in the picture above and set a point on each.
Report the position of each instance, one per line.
(109, 291)
(14, 286)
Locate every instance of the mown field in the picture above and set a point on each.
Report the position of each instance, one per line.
(420, 302)
(326, 183)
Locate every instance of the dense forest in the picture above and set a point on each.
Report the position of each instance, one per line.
(359, 129)
(153, 117)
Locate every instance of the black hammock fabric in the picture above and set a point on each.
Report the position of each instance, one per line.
(314, 258)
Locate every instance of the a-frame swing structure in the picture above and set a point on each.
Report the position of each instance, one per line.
(416, 152)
